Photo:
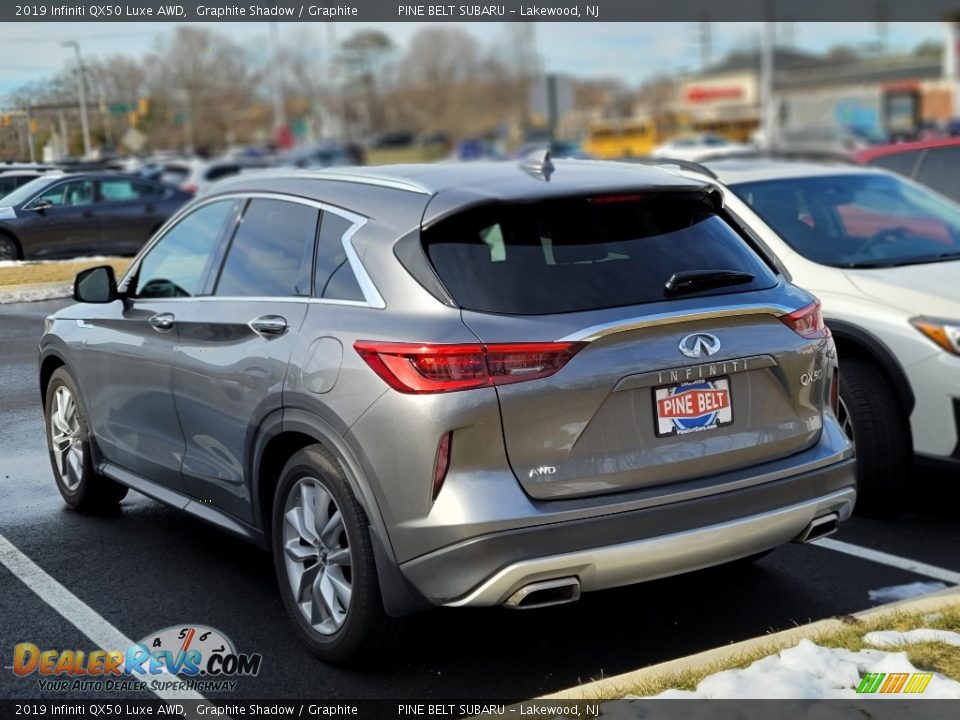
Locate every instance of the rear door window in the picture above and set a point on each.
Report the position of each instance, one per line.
(585, 253)
(269, 252)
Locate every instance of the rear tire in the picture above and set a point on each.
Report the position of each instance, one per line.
(68, 441)
(880, 433)
(323, 557)
(9, 250)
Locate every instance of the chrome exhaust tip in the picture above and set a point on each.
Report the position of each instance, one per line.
(819, 528)
(544, 594)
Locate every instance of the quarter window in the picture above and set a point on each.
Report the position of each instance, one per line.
(268, 253)
(177, 264)
(939, 171)
(334, 277)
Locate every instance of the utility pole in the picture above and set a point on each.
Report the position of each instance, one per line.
(33, 152)
(81, 91)
(279, 110)
(768, 118)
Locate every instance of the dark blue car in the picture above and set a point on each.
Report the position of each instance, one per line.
(66, 215)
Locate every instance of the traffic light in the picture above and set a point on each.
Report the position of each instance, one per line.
(33, 127)
(143, 107)
(6, 121)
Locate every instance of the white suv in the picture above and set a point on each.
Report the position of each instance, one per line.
(883, 255)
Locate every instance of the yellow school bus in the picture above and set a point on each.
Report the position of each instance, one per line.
(612, 139)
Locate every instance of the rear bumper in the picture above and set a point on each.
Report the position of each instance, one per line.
(636, 546)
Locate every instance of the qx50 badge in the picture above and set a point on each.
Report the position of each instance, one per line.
(698, 344)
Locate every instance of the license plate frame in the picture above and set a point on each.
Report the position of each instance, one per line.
(695, 406)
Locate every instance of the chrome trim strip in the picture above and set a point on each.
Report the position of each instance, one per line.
(652, 558)
(595, 332)
(372, 297)
(376, 180)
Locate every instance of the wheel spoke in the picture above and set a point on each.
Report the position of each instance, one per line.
(340, 556)
(307, 580)
(319, 610)
(341, 587)
(331, 603)
(308, 503)
(330, 534)
(299, 552)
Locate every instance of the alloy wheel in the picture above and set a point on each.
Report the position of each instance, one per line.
(66, 439)
(317, 555)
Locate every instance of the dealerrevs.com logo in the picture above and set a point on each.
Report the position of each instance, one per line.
(204, 659)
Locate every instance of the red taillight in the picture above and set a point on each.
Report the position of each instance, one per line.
(835, 393)
(442, 463)
(807, 321)
(189, 188)
(428, 368)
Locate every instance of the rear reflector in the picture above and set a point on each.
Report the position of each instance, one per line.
(807, 321)
(434, 368)
(835, 393)
(442, 463)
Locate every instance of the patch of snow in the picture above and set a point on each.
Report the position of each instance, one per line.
(86, 258)
(902, 592)
(891, 638)
(16, 294)
(809, 671)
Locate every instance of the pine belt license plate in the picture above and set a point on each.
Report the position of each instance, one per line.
(692, 407)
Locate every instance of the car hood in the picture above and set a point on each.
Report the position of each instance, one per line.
(930, 289)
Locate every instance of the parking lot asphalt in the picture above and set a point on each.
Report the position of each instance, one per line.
(149, 567)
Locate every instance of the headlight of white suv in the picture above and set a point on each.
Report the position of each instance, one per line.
(945, 333)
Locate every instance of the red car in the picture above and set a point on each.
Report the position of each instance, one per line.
(933, 163)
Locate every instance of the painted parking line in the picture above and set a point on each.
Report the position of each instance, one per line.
(77, 612)
(919, 568)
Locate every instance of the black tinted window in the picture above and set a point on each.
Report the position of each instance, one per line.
(939, 171)
(267, 257)
(334, 276)
(177, 264)
(584, 254)
(902, 163)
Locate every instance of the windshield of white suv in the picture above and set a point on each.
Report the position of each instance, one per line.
(858, 221)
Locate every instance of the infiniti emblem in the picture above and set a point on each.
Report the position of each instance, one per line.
(698, 344)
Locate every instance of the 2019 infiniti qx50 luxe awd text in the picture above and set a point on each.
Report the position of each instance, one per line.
(464, 385)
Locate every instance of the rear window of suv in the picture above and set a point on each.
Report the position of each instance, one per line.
(581, 254)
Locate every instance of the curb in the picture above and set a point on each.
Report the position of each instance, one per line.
(617, 686)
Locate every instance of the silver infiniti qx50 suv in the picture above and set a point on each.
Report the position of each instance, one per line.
(464, 385)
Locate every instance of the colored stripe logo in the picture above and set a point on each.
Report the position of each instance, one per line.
(891, 683)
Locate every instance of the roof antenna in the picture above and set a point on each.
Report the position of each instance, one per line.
(538, 164)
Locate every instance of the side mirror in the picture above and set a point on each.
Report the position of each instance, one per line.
(39, 205)
(95, 285)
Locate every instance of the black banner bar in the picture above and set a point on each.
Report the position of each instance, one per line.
(854, 709)
(381, 11)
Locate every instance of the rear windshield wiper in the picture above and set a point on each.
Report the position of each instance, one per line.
(695, 280)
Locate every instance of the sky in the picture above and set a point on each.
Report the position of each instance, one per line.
(629, 51)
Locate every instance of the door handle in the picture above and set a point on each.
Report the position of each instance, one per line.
(162, 321)
(269, 325)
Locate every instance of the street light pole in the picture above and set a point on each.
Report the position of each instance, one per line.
(85, 126)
